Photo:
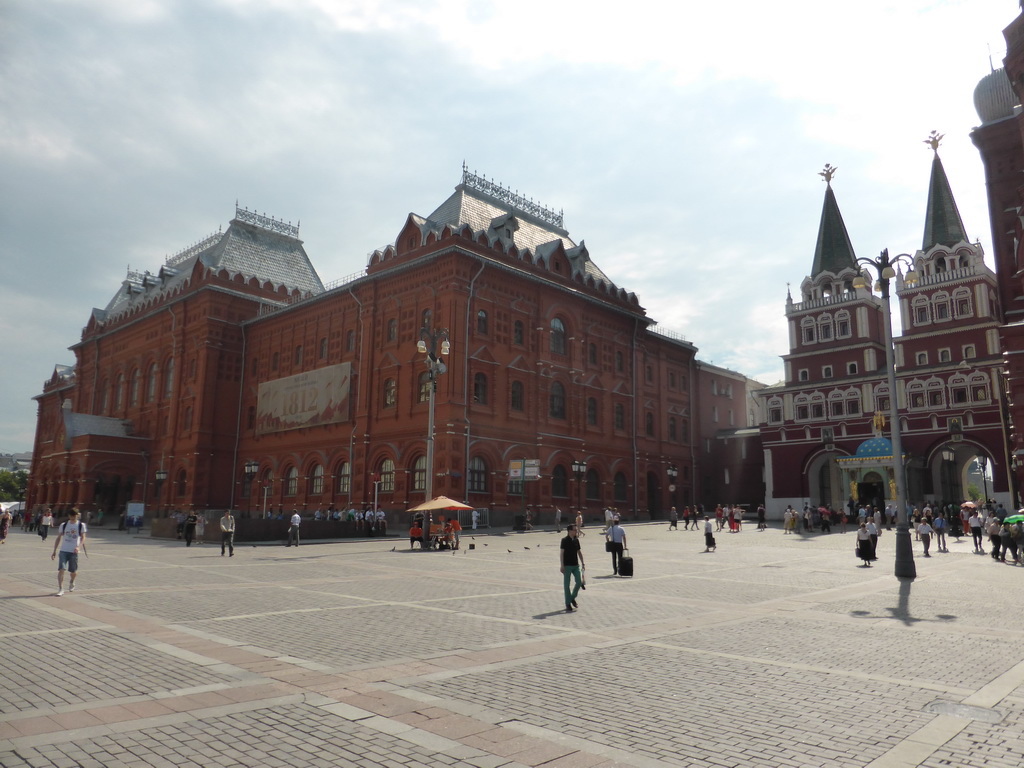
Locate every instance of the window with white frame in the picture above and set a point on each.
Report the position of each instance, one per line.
(843, 328)
(807, 330)
(826, 371)
(969, 353)
(922, 314)
(921, 358)
(803, 375)
(962, 303)
(940, 307)
(945, 355)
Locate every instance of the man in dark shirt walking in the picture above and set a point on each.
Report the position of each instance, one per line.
(571, 559)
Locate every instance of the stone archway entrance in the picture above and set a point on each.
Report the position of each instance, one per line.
(871, 490)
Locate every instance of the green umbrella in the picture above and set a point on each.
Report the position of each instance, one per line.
(1014, 519)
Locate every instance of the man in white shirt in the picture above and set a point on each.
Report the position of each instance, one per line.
(293, 528)
(227, 533)
(70, 538)
(925, 532)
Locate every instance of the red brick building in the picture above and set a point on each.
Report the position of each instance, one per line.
(823, 442)
(1000, 140)
(234, 354)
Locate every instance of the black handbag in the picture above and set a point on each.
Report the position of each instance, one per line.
(607, 546)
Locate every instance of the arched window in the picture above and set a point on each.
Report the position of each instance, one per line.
(962, 302)
(843, 330)
(620, 488)
(940, 306)
(169, 378)
(620, 416)
(825, 327)
(922, 313)
(517, 396)
(477, 475)
(390, 393)
(317, 477)
(426, 318)
(618, 362)
(593, 484)
(671, 427)
(119, 392)
(151, 375)
(136, 385)
(298, 356)
(419, 474)
(480, 388)
(344, 484)
(592, 353)
(807, 330)
(186, 421)
(291, 481)
(182, 483)
(481, 322)
(423, 387)
(105, 399)
(557, 336)
(649, 424)
(559, 482)
(392, 329)
(592, 411)
(557, 409)
(387, 476)
(517, 333)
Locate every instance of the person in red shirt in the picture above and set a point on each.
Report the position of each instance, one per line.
(456, 531)
(415, 534)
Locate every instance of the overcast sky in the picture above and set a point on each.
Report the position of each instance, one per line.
(683, 144)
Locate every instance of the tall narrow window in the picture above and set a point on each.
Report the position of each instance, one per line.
(592, 411)
(423, 392)
(390, 393)
(169, 377)
(517, 396)
(419, 474)
(480, 388)
(151, 375)
(387, 476)
(291, 481)
(557, 336)
(477, 475)
(481, 322)
(344, 478)
(557, 409)
(317, 477)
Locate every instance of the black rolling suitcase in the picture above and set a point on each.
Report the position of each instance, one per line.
(625, 564)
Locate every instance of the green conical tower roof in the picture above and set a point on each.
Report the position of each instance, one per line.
(942, 224)
(834, 251)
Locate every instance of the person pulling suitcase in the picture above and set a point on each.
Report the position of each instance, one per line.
(616, 538)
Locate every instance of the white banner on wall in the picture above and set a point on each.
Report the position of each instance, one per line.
(304, 400)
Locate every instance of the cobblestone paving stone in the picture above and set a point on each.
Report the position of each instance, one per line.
(26, 617)
(999, 745)
(292, 735)
(684, 708)
(370, 634)
(209, 603)
(900, 653)
(775, 651)
(420, 589)
(598, 609)
(91, 665)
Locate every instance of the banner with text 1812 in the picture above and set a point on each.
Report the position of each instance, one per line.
(304, 400)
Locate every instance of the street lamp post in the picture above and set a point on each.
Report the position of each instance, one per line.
(885, 268)
(160, 476)
(672, 473)
(250, 469)
(579, 468)
(983, 464)
(434, 344)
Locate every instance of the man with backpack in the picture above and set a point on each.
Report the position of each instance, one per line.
(70, 538)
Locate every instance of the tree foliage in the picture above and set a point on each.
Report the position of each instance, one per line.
(13, 485)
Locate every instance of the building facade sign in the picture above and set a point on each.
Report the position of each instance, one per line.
(306, 399)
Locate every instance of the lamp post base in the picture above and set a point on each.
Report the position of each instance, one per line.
(905, 566)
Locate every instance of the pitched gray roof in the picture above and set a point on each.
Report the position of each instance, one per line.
(481, 211)
(253, 246)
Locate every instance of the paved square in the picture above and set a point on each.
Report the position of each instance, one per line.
(773, 651)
